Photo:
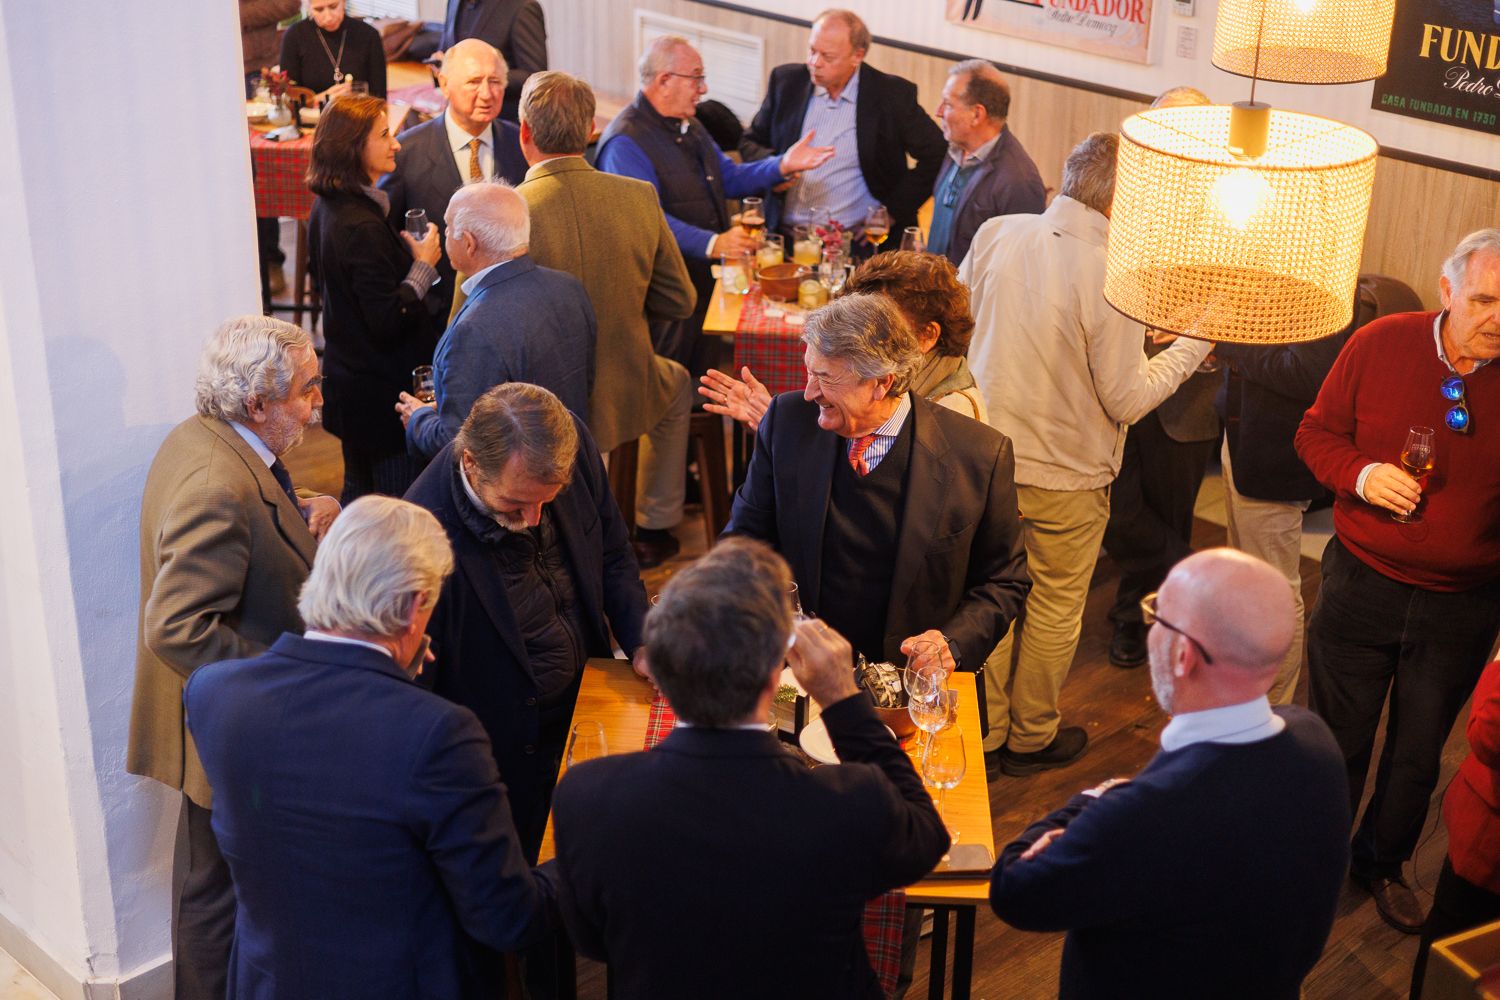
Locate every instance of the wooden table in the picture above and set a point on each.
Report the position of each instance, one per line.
(613, 695)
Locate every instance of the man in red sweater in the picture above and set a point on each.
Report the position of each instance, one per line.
(1417, 603)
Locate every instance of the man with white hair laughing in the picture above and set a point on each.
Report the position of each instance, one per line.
(519, 322)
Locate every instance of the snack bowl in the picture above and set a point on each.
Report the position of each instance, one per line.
(779, 282)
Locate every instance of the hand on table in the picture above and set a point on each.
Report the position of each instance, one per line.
(734, 241)
(1389, 487)
(935, 637)
(408, 405)
(319, 513)
(822, 661)
(429, 249)
(729, 397)
(804, 156)
(640, 666)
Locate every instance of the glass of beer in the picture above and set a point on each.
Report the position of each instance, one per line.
(753, 217)
(877, 225)
(1416, 461)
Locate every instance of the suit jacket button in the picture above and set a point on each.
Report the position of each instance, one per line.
(530, 748)
(531, 701)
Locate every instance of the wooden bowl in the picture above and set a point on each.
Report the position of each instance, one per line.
(779, 282)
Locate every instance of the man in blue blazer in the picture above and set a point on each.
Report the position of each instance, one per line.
(466, 143)
(545, 574)
(1215, 871)
(518, 323)
(362, 817)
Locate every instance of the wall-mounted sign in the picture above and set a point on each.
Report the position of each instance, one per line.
(1118, 28)
(1444, 63)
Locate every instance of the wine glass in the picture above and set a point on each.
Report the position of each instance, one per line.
(416, 223)
(795, 597)
(913, 240)
(877, 225)
(753, 217)
(422, 384)
(586, 743)
(943, 765)
(924, 680)
(1416, 461)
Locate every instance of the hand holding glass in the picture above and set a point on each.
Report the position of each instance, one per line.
(1416, 461)
(422, 384)
(416, 223)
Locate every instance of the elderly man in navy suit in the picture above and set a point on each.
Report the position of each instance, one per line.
(519, 322)
(465, 144)
(362, 817)
(517, 28)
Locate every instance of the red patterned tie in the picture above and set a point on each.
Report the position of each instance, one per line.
(857, 449)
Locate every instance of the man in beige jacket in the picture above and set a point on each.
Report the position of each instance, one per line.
(225, 547)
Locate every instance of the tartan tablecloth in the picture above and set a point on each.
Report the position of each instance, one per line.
(884, 915)
(281, 176)
(769, 345)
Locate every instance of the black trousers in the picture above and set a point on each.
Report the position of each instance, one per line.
(1370, 636)
(1458, 906)
(1151, 504)
(202, 909)
(366, 472)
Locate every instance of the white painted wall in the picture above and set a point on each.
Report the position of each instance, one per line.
(127, 237)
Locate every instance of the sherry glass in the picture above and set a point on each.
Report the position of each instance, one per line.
(943, 765)
(1416, 461)
(422, 384)
(912, 239)
(877, 225)
(586, 743)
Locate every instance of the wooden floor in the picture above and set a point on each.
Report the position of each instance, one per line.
(1364, 958)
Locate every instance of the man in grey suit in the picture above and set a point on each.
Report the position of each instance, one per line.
(225, 545)
(519, 322)
(464, 144)
(987, 173)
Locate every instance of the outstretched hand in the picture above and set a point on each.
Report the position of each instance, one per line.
(727, 396)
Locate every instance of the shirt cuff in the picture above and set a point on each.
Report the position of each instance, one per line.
(708, 251)
(420, 277)
(1359, 483)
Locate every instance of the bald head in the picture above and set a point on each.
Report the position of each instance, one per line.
(473, 80)
(487, 223)
(1181, 97)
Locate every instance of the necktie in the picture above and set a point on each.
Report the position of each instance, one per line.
(284, 478)
(475, 174)
(857, 449)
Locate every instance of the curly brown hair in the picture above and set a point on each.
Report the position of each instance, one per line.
(926, 288)
(338, 147)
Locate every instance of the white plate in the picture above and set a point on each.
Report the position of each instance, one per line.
(817, 744)
(256, 111)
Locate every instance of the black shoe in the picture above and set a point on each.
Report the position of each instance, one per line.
(1394, 901)
(992, 764)
(1066, 747)
(1128, 646)
(654, 546)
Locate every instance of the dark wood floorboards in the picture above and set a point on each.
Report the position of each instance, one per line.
(1364, 958)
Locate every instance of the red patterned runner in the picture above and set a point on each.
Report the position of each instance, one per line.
(769, 345)
(281, 176)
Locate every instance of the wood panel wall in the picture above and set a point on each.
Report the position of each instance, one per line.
(1416, 216)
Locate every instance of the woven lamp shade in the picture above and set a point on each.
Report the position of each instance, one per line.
(1262, 251)
(1304, 41)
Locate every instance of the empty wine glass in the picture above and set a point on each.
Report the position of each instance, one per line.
(1416, 461)
(912, 239)
(416, 223)
(943, 766)
(586, 743)
(924, 680)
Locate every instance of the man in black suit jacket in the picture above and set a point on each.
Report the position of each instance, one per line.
(464, 144)
(868, 166)
(1215, 871)
(717, 865)
(362, 817)
(898, 517)
(545, 573)
(516, 27)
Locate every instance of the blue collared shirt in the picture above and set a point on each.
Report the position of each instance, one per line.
(838, 185)
(254, 441)
(885, 434)
(1248, 722)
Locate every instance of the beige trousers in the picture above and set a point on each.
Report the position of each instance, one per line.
(1271, 530)
(661, 480)
(1061, 530)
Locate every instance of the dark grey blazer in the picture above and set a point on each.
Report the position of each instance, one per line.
(1006, 182)
(518, 29)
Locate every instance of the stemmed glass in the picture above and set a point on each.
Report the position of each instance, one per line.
(753, 217)
(943, 765)
(877, 225)
(587, 742)
(925, 680)
(912, 239)
(1416, 461)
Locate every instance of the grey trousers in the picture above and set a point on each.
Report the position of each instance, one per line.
(202, 908)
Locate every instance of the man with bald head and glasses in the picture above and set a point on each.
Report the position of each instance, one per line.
(1209, 863)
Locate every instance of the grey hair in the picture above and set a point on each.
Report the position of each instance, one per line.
(519, 419)
(870, 333)
(380, 553)
(473, 46)
(494, 214)
(859, 32)
(658, 56)
(248, 357)
(984, 86)
(559, 110)
(1456, 267)
(1089, 173)
(1181, 97)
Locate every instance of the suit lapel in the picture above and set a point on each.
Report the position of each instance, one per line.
(566, 520)
(867, 121)
(284, 513)
(927, 491)
(441, 157)
(976, 179)
(482, 577)
(812, 484)
(802, 92)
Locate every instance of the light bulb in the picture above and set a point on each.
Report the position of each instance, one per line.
(1239, 195)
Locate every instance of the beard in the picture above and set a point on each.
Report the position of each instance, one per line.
(1162, 687)
(510, 523)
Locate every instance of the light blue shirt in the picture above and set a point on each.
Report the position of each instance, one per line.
(254, 441)
(473, 280)
(837, 185)
(1248, 722)
(885, 434)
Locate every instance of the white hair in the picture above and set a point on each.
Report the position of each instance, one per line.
(494, 214)
(470, 48)
(1457, 265)
(249, 357)
(658, 56)
(380, 553)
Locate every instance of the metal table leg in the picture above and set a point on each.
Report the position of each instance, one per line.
(937, 966)
(963, 953)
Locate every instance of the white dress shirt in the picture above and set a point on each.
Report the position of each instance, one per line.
(254, 441)
(317, 636)
(458, 141)
(1248, 722)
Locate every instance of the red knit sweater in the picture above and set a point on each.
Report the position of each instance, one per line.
(1385, 381)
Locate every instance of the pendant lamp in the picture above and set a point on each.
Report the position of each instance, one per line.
(1304, 41)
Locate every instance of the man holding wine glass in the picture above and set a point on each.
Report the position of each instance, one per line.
(1410, 598)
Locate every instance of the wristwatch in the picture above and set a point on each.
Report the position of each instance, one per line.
(958, 659)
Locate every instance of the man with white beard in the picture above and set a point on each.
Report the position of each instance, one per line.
(1224, 856)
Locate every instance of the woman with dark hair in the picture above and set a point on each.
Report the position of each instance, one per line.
(327, 51)
(373, 279)
(925, 287)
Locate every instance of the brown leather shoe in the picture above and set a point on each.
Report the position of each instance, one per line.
(1395, 902)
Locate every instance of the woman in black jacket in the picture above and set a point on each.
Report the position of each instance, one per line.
(373, 279)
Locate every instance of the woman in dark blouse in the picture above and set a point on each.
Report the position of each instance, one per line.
(327, 50)
(373, 279)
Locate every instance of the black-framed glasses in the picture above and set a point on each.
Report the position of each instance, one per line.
(1150, 617)
(1457, 417)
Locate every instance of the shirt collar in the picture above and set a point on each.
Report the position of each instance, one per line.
(254, 441)
(473, 280)
(1437, 337)
(1248, 722)
(459, 139)
(317, 636)
(756, 727)
(958, 156)
(850, 92)
(379, 197)
(892, 425)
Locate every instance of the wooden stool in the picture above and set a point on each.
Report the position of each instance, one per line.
(623, 460)
(706, 444)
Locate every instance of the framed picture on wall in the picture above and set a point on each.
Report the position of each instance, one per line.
(1444, 64)
(1117, 28)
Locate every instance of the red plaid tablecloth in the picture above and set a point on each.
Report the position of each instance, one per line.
(281, 176)
(884, 915)
(769, 345)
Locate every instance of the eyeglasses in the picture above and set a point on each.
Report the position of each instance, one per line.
(697, 78)
(1457, 417)
(1150, 617)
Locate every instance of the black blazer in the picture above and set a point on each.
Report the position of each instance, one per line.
(717, 865)
(364, 824)
(1005, 182)
(481, 654)
(889, 124)
(376, 330)
(518, 29)
(959, 563)
(426, 177)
